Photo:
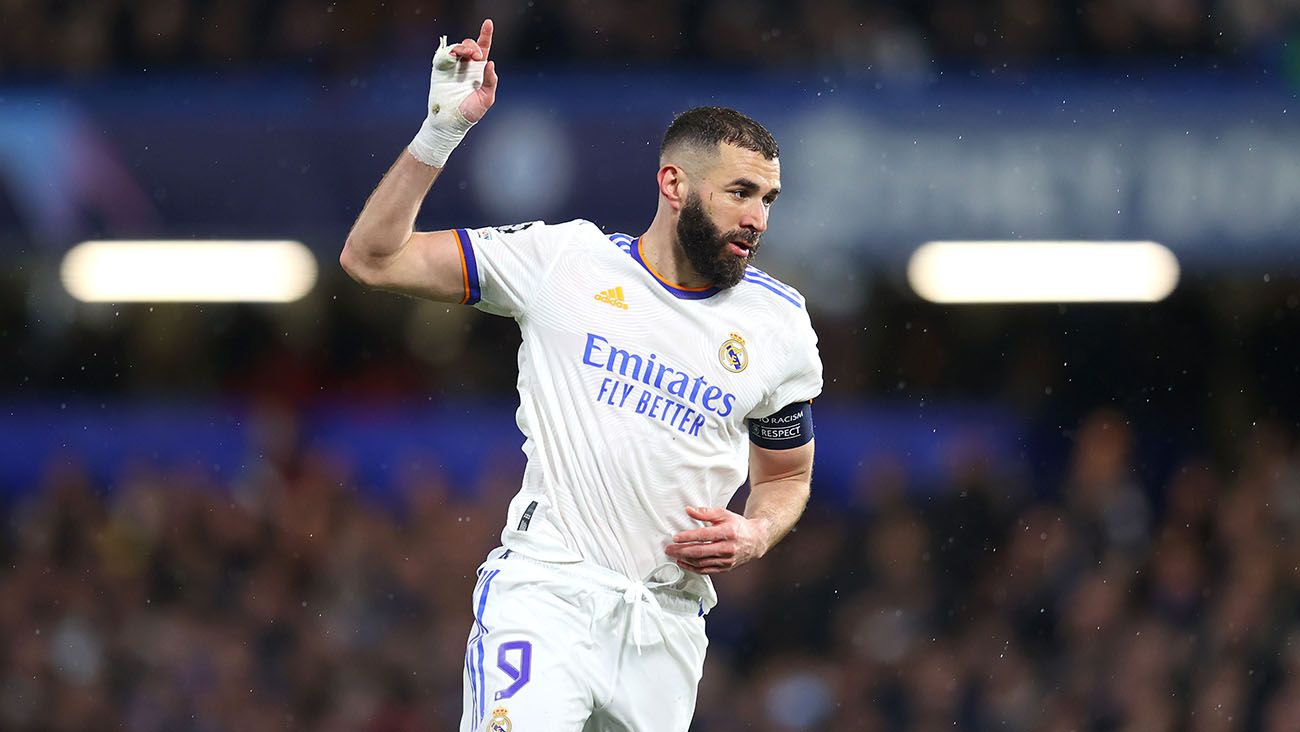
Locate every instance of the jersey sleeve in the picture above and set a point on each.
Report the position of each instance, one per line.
(802, 380)
(503, 266)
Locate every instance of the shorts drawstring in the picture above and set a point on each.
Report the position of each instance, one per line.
(640, 595)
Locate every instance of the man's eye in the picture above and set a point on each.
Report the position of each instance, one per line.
(738, 194)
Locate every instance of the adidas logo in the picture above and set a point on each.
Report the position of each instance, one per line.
(613, 296)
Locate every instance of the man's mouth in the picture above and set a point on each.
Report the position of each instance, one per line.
(740, 248)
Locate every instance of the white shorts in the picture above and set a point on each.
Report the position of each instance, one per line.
(553, 649)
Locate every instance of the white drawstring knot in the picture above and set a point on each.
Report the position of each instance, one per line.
(640, 594)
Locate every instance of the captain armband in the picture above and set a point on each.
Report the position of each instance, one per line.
(789, 427)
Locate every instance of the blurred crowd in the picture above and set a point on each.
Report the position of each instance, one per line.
(66, 37)
(284, 599)
(1197, 368)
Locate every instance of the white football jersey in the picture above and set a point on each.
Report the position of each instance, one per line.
(634, 394)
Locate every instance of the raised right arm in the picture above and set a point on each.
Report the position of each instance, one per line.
(383, 250)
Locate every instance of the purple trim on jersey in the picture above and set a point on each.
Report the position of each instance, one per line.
(482, 605)
(682, 294)
(749, 277)
(623, 241)
(760, 274)
(472, 293)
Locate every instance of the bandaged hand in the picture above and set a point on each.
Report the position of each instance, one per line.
(462, 87)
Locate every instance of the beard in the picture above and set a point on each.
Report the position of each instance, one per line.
(705, 245)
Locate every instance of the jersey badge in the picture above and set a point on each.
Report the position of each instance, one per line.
(515, 228)
(733, 355)
(613, 296)
(499, 722)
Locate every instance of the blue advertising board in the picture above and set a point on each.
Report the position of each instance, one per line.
(1208, 166)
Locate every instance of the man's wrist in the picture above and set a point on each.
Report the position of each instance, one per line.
(763, 532)
(435, 141)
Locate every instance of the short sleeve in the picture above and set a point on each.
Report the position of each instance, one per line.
(802, 380)
(503, 266)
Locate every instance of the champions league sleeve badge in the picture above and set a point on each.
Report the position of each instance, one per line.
(733, 355)
(499, 722)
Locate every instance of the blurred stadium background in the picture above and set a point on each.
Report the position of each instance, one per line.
(1025, 517)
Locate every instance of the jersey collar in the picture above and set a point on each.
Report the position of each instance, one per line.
(683, 293)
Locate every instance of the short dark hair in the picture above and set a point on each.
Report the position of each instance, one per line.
(708, 127)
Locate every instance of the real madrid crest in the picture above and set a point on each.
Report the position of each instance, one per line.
(499, 721)
(733, 355)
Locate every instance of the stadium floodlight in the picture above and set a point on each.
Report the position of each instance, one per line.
(1042, 271)
(188, 271)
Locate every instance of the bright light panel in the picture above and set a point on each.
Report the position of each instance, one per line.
(188, 271)
(1042, 271)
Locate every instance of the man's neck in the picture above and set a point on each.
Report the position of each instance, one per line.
(661, 252)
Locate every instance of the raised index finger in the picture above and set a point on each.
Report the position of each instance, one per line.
(485, 38)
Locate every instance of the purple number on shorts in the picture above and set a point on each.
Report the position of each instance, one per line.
(518, 674)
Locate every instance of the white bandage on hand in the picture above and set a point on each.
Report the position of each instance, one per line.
(449, 83)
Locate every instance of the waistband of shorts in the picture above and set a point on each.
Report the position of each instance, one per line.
(673, 600)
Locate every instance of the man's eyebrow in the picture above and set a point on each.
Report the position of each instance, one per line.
(753, 187)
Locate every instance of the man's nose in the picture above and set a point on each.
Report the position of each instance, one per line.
(755, 217)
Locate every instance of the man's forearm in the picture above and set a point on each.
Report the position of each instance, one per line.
(383, 250)
(777, 505)
(388, 218)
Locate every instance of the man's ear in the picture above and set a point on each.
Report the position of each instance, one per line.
(673, 185)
